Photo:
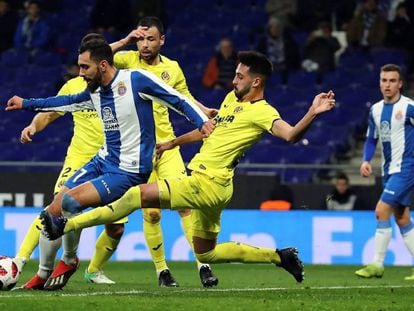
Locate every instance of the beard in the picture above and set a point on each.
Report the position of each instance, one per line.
(94, 83)
(241, 93)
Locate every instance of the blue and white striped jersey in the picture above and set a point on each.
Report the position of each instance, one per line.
(393, 126)
(125, 108)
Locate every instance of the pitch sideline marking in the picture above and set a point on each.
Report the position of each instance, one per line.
(140, 292)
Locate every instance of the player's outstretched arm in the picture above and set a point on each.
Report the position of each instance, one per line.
(187, 138)
(38, 124)
(322, 102)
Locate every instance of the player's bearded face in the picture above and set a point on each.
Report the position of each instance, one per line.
(242, 81)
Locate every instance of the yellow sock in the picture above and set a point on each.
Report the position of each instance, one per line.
(188, 232)
(107, 214)
(104, 248)
(31, 239)
(238, 252)
(154, 238)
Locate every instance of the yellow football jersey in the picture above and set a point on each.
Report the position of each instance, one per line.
(87, 131)
(170, 72)
(239, 125)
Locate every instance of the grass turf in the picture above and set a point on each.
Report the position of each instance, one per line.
(241, 287)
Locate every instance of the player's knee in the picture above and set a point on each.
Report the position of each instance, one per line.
(152, 216)
(115, 231)
(70, 205)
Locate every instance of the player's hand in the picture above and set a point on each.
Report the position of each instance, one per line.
(211, 113)
(366, 169)
(207, 128)
(14, 103)
(135, 35)
(160, 148)
(323, 102)
(27, 134)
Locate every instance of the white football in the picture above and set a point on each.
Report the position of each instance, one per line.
(9, 273)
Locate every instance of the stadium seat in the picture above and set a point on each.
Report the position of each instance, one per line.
(14, 58)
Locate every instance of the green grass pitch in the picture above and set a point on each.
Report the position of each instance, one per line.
(241, 287)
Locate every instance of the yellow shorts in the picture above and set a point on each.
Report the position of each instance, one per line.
(70, 166)
(171, 165)
(206, 196)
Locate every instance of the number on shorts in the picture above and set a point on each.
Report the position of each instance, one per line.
(82, 172)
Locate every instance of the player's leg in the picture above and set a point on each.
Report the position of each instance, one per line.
(171, 165)
(29, 243)
(103, 188)
(210, 197)
(404, 222)
(151, 223)
(383, 234)
(105, 246)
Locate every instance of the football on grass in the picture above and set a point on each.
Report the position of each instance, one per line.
(9, 273)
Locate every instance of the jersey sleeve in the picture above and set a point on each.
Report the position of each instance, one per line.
(265, 116)
(121, 59)
(152, 88)
(371, 140)
(60, 103)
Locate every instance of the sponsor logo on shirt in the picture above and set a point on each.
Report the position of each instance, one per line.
(110, 122)
(385, 131)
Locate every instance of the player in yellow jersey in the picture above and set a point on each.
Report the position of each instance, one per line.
(150, 38)
(243, 118)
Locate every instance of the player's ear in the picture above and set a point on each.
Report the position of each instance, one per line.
(162, 40)
(257, 81)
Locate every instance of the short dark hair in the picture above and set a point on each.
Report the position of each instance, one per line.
(99, 49)
(392, 67)
(92, 36)
(343, 176)
(257, 63)
(152, 21)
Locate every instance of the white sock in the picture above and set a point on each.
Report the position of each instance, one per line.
(407, 233)
(70, 243)
(382, 239)
(199, 265)
(47, 255)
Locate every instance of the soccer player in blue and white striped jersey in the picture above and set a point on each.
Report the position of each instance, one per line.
(391, 122)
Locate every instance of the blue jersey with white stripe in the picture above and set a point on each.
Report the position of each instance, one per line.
(393, 126)
(125, 108)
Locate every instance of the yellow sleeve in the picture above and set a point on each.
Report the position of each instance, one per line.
(265, 116)
(123, 59)
(181, 84)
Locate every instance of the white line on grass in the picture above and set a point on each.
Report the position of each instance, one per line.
(141, 292)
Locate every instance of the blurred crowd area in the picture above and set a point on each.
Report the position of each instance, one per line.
(315, 45)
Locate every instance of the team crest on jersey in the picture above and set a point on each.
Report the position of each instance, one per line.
(165, 76)
(238, 109)
(399, 115)
(121, 88)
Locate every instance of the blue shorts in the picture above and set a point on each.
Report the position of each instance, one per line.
(111, 182)
(398, 189)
